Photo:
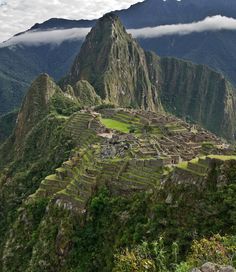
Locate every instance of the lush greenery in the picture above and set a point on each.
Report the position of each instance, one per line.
(7, 124)
(118, 222)
(154, 256)
(64, 105)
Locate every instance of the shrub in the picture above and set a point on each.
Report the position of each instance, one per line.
(151, 257)
(217, 249)
(183, 267)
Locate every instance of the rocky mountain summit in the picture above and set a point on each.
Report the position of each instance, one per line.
(115, 65)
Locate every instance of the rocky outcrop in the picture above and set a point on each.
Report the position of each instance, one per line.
(195, 93)
(211, 267)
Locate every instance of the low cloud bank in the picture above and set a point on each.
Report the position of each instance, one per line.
(215, 23)
(53, 36)
(56, 37)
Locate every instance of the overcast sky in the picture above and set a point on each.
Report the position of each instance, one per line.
(19, 15)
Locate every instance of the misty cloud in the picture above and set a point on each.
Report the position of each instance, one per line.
(47, 37)
(18, 15)
(215, 23)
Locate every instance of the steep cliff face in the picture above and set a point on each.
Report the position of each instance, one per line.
(196, 93)
(199, 93)
(115, 65)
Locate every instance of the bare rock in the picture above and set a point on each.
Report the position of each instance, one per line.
(208, 267)
(227, 269)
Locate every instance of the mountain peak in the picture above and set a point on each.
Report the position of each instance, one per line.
(112, 17)
(115, 65)
(108, 26)
(35, 105)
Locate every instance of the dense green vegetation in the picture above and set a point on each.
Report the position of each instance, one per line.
(141, 230)
(7, 124)
(47, 143)
(64, 105)
(118, 222)
(154, 256)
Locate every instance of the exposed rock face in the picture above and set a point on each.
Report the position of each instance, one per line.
(211, 267)
(196, 93)
(115, 65)
(35, 105)
(200, 94)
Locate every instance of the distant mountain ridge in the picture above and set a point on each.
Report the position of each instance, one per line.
(160, 13)
(62, 23)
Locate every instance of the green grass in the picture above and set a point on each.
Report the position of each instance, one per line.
(116, 125)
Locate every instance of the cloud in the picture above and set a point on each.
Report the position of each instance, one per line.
(214, 23)
(53, 36)
(18, 15)
(47, 37)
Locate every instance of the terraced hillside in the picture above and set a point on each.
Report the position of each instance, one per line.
(127, 162)
(130, 154)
